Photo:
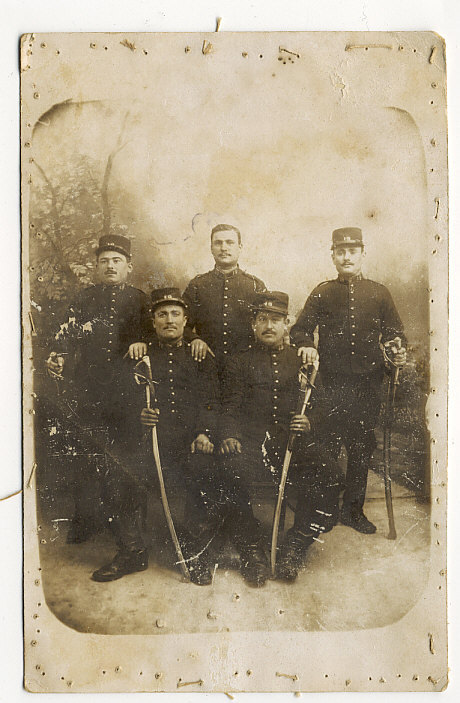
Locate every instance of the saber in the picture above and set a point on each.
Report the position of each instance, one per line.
(393, 382)
(149, 392)
(306, 387)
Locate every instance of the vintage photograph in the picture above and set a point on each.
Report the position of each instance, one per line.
(235, 323)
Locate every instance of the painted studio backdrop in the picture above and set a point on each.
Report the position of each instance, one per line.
(287, 144)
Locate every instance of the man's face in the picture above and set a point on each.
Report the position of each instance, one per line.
(269, 328)
(348, 260)
(225, 248)
(169, 322)
(112, 267)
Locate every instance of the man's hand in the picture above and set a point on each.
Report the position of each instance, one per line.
(55, 363)
(230, 446)
(137, 350)
(300, 424)
(202, 445)
(150, 417)
(200, 349)
(396, 352)
(308, 354)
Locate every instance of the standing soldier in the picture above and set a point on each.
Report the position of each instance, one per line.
(259, 398)
(105, 321)
(355, 317)
(219, 300)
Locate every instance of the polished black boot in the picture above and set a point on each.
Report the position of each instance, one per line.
(124, 562)
(357, 520)
(254, 565)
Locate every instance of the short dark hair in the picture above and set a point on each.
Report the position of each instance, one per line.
(226, 228)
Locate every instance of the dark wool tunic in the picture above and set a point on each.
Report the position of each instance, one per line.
(186, 394)
(353, 317)
(219, 310)
(101, 324)
(260, 391)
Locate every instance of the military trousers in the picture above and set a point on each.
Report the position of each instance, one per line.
(355, 400)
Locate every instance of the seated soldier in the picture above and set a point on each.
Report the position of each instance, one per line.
(259, 395)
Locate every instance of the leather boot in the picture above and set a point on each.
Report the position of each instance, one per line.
(292, 555)
(357, 520)
(254, 565)
(122, 564)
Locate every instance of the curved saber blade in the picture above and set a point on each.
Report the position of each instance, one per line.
(309, 384)
(164, 497)
(276, 519)
(166, 509)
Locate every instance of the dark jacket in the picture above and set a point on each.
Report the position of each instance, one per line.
(219, 310)
(186, 393)
(260, 391)
(101, 324)
(353, 318)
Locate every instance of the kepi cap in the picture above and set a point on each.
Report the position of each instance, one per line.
(347, 236)
(166, 296)
(114, 242)
(271, 301)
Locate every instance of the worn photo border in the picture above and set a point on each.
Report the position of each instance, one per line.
(279, 661)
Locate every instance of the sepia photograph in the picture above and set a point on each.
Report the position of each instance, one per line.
(234, 358)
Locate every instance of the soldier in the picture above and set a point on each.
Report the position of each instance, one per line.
(355, 317)
(219, 300)
(259, 397)
(105, 321)
(186, 416)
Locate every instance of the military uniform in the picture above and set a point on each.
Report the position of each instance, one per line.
(259, 395)
(219, 310)
(353, 316)
(101, 324)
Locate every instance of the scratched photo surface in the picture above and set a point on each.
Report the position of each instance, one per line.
(286, 137)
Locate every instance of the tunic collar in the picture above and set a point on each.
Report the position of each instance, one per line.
(347, 281)
(173, 345)
(265, 347)
(114, 287)
(226, 274)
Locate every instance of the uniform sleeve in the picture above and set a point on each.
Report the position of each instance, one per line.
(207, 417)
(233, 391)
(317, 410)
(70, 330)
(191, 298)
(303, 330)
(259, 285)
(392, 325)
(146, 327)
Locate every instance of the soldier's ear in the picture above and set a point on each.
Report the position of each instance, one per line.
(130, 266)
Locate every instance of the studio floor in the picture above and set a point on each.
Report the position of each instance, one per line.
(349, 581)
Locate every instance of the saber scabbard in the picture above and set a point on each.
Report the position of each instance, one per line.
(149, 392)
(306, 385)
(389, 413)
(393, 382)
